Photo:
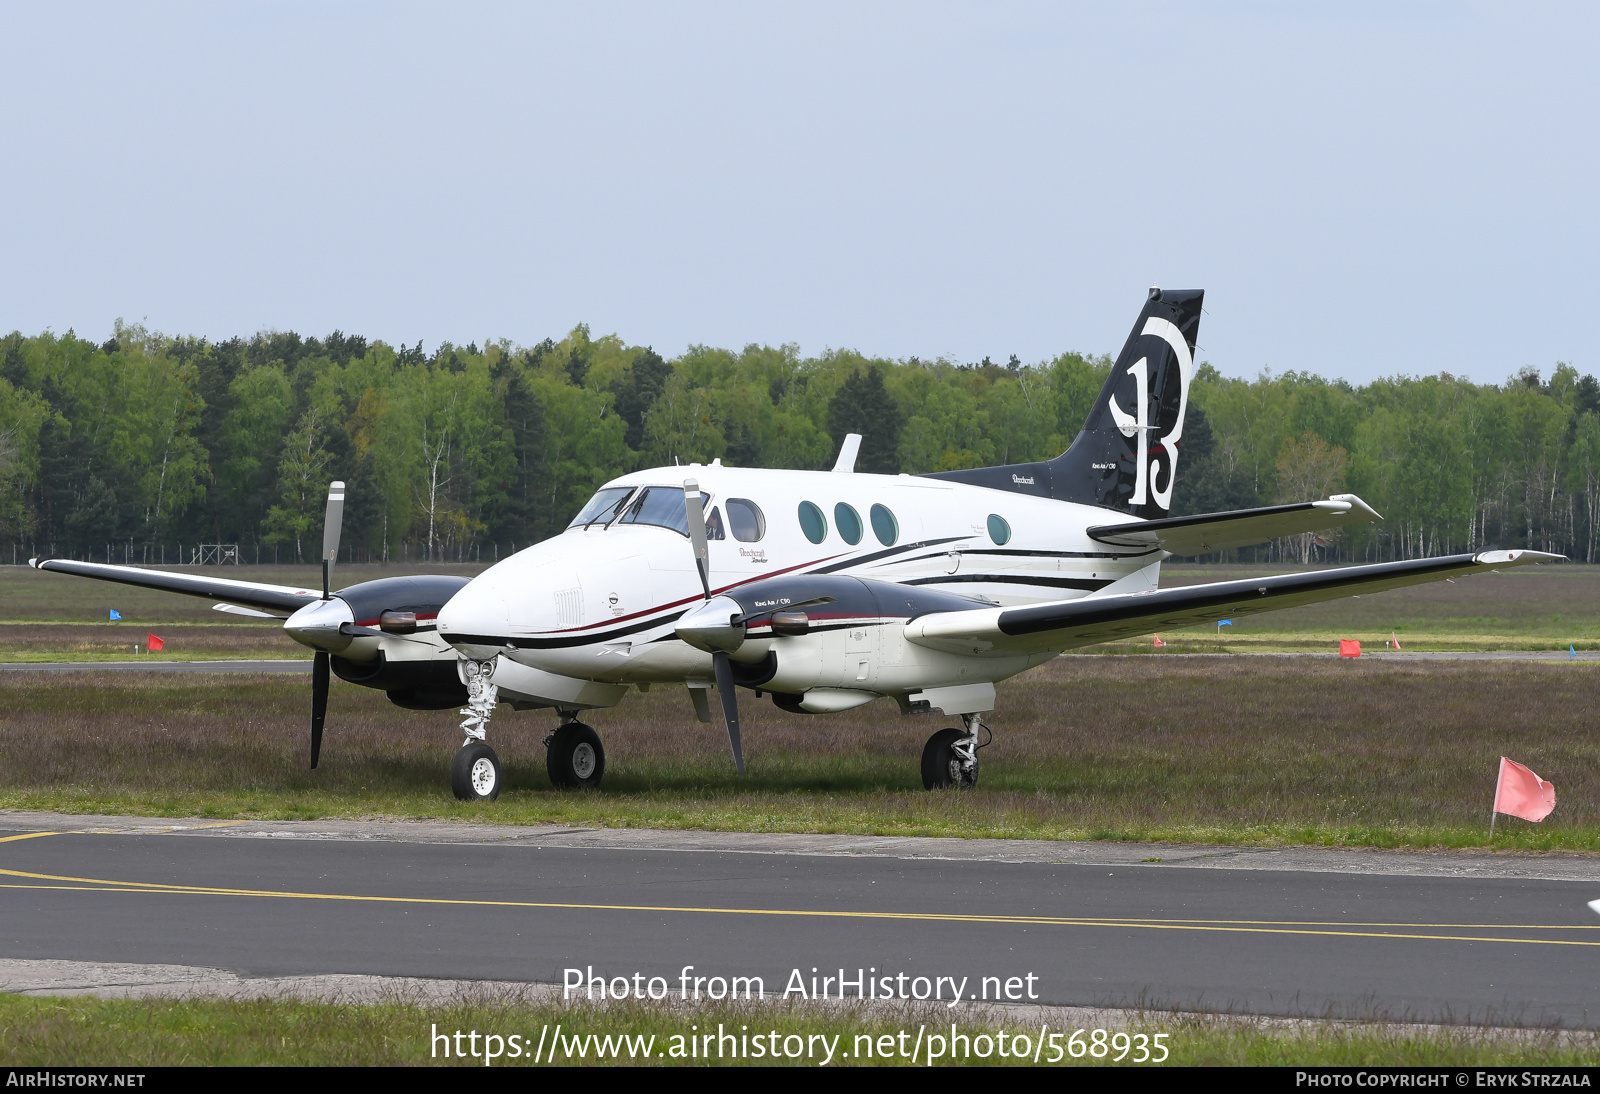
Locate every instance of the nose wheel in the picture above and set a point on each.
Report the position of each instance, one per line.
(574, 756)
(475, 774)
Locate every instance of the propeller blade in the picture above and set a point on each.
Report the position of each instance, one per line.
(331, 526)
(319, 702)
(697, 533)
(730, 704)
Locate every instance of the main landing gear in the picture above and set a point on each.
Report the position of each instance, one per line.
(574, 756)
(950, 758)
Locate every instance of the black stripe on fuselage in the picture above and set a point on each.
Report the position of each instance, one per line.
(565, 642)
(862, 560)
(1031, 554)
(1088, 585)
(1059, 554)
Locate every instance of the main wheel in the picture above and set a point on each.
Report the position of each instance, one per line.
(475, 774)
(941, 764)
(574, 757)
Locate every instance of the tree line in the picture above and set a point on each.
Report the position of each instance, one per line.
(145, 445)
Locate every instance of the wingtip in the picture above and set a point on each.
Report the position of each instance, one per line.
(1516, 558)
(34, 563)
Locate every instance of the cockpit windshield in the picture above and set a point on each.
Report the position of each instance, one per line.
(662, 506)
(602, 508)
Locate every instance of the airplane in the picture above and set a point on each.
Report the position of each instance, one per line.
(821, 590)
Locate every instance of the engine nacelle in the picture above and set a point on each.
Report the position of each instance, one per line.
(825, 643)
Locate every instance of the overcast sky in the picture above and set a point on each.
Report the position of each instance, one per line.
(1362, 189)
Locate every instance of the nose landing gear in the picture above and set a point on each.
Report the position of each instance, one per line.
(475, 772)
(950, 758)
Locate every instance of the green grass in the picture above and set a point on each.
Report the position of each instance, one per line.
(1146, 748)
(44, 1031)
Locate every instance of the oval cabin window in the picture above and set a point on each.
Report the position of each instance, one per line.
(884, 526)
(746, 520)
(999, 530)
(813, 523)
(848, 521)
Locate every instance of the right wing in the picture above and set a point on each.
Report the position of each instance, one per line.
(276, 601)
(1067, 624)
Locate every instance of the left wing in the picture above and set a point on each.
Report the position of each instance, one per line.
(276, 601)
(1068, 624)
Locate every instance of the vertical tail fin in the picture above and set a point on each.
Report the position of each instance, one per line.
(1126, 457)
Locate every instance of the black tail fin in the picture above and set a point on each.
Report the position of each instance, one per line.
(1126, 457)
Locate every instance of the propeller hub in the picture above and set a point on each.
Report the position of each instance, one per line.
(710, 627)
(317, 625)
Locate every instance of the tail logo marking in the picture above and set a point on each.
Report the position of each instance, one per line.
(1144, 485)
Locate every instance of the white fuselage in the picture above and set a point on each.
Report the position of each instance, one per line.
(598, 603)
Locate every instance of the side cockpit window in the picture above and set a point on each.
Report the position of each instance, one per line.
(746, 520)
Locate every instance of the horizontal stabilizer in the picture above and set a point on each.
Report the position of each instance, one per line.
(277, 601)
(1068, 624)
(1207, 532)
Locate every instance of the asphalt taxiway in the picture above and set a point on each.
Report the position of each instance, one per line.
(1295, 932)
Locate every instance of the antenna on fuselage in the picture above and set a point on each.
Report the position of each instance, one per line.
(846, 463)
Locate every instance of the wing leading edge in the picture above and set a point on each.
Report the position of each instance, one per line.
(277, 601)
(1071, 623)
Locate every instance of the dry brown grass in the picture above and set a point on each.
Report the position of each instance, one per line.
(1105, 747)
(116, 641)
(1559, 601)
(27, 594)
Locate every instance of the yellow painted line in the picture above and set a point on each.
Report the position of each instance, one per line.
(102, 885)
(164, 830)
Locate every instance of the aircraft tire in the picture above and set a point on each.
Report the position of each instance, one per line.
(938, 760)
(575, 757)
(475, 773)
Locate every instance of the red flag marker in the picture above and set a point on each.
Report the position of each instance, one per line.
(1394, 642)
(156, 645)
(1159, 643)
(1518, 792)
(1349, 647)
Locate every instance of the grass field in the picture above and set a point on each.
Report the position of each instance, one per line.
(55, 617)
(1139, 748)
(39, 1031)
